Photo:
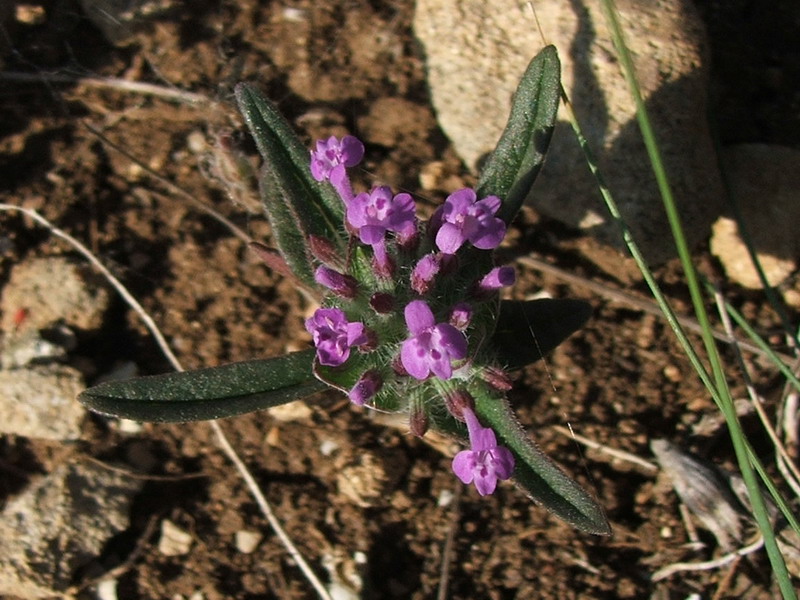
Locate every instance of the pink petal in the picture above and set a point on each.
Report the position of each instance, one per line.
(464, 465)
(416, 365)
(449, 238)
(419, 316)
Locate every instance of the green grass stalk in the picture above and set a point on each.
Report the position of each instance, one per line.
(744, 454)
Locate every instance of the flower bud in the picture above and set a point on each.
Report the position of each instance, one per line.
(418, 421)
(424, 273)
(496, 378)
(382, 303)
(457, 401)
(324, 251)
(342, 285)
(497, 278)
(365, 388)
(460, 316)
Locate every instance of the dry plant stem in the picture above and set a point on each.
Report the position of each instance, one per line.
(619, 454)
(785, 464)
(161, 341)
(147, 89)
(709, 564)
(647, 306)
(447, 551)
(691, 530)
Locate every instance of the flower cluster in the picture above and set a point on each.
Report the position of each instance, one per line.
(409, 307)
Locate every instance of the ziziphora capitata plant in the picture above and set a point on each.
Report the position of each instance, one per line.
(411, 318)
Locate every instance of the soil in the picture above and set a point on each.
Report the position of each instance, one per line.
(334, 67)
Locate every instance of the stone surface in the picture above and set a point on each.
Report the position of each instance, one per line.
(43, 292)
(174, 541)
(59, 524)
(765, 182)
(476, 51)
(39, 402)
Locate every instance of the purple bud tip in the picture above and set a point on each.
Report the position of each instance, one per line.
(485, 462)
(340, 284)
(365, 388)
(424, 272)
(464, 218)
(460, 316)
(432, 347)
(497, 278)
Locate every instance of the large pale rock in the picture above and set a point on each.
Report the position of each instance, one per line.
(476, 52)
(42, 292)
(765, 182)
(59, 524)
(39, 402)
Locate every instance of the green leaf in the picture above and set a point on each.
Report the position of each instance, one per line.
(527, 330)
(512, 168)
(211, 393)
(296, 204)
(539, 477)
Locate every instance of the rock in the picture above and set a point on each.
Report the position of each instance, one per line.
(58, 525)
(765, 182)
(43, 292)
(291, 411)
(368, 477)
(39, 402)
(174, 541)
(476, 52)
(247, 541)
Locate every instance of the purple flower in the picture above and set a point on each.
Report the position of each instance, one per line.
(431, 346)
(497, 278)
(365, 388)
(340, 284)
(332, 157)
(485, 462)
(463, 219)
(377, 212)
(334, 335)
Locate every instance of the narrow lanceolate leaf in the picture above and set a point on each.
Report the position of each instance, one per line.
(296, 204)
(516, 161)
(539, 477)
(211, 393)
(526, 331)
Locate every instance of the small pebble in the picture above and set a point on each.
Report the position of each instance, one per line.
(247, 541)
(174, 541)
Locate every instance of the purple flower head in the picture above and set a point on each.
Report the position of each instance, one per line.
(332, 157)
(423, 273)
(340, 284)
(377, 212)
(334, 335)
(497, 278)
(464, 219)
(365, 388)
(485, 462)
(432, 346)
